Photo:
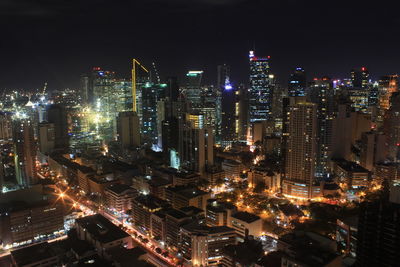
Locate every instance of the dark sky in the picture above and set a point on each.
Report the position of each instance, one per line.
(57, 40)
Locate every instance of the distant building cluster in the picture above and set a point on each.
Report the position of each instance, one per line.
(148, 170)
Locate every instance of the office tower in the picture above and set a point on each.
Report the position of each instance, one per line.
(128, 129)
(373, 149)
(102, 83)
(359, 92)
(297, 83)
(122, 97)
(228, 115)
(322, 94)
(261, 89)
(5, 127)
(57, 115)
(243, 121)
(196, 144)
(24, 152)
(170, 136)
(223, 75)
(202, 245)
(46, 137)
(2, 174)
(301, 150)
(387, 85)
(379, 230)
(85, 88)
(392, 126)
(193, 89)
(151, 94)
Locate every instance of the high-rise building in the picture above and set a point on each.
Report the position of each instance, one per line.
(359, 92)
(322, 94)
(387, 85)
(46, 137)
(193, 90)
(5, 127)
(379, 230)
(128, 129)
(229, 115)
(57, 115)
(151, 94)
(85, 88)
(261, 89)
(24, 152)
(301, 151)
(297, 83)
(223, 74)
(196, 144)
(243, 112)
(392, 126)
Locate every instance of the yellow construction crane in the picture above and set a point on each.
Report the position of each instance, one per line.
(134, 64)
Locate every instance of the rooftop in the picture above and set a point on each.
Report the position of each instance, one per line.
(151, 202)
(187, 191)
(101, 229)
(177, 214)
(32, 254)
(119, 188)
(246, 216)
(350, 166)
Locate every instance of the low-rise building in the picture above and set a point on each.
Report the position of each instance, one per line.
(218, 213)
(184, 196)
(354, 175)
(101, 233)
(185, 178)
(202, 245)
(246, 224)
(119, 197)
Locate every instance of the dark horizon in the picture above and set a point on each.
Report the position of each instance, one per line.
(57, 41)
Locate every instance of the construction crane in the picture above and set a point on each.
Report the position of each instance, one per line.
(134, 64)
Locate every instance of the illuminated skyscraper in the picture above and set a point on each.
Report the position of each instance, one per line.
(322, 94)
(301, 151)
(193, 91)
(359, 92)
(223, 74)
(151, 94)
(297, 83)
(196, 144)
(228, 123)
(392, 126)
(261, 88)
(24, 152)
(387, 86)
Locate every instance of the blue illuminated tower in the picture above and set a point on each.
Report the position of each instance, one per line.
(261, 89)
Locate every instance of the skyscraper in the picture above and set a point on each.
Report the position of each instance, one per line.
(24, 152)
(261, 88)
(57, 115)
(196, 144)
(46, 137)
(228, 114)
(297, 83)
(379, 230)
(392, 126)
(151, 94)
(223, 74)
(322, 94)
(128, 129)
(193, 89)
(387, 86)
(359, 92)
(301, 151)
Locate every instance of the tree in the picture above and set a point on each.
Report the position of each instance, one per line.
(260, 187)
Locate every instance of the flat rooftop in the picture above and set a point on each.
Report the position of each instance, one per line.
(32, 254)
(101, 228)
(246, 216)
(187, 191)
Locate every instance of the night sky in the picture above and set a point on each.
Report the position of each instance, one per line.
(57, 40)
